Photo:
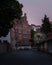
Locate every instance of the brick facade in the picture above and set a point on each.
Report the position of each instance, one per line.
(21, 32)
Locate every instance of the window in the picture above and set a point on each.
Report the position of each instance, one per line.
(25, 36)
(25, 31)
(18, 38)
(19, 29)
(25, 41)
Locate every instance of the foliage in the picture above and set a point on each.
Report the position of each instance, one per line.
(32, 37)
(39, 37)
(9, 10)
(46, 27)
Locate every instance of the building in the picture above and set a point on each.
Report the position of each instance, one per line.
(35, 27)
(21, 32)
(45, 41)
(49, 42)
(46, 45)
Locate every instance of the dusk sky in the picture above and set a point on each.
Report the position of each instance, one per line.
(36, 9)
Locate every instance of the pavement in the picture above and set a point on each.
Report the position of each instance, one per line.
(25, 57)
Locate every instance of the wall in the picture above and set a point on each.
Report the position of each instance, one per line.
(5, 47)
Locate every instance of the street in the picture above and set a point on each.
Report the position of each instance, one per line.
(26, 57)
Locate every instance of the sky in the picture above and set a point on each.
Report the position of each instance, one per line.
(36, 9)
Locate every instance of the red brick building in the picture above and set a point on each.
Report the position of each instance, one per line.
(21, 32)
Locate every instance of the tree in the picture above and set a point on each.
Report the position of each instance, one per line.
(9, 10)
(32, 34)
(32, 37)
(46, 26)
